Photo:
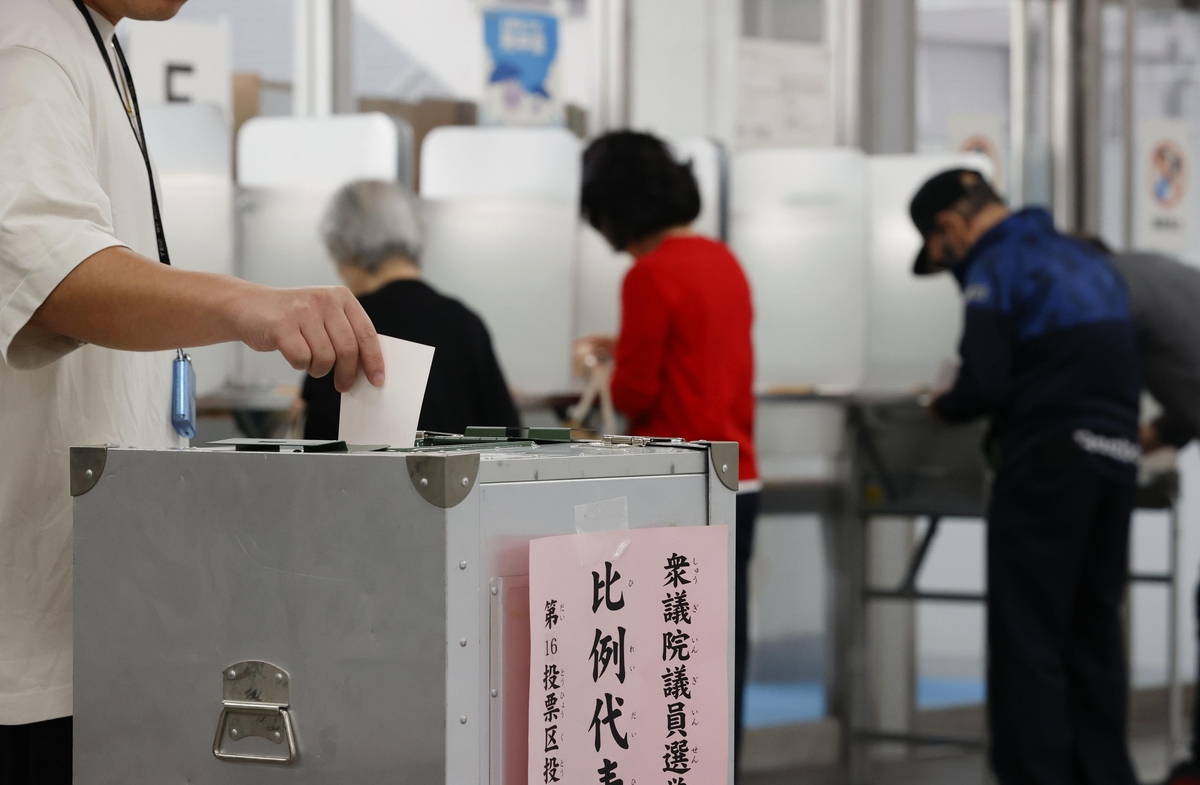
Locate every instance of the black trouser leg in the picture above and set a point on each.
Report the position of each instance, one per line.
(1196, 706)
(1058, 541)
(1097, 675)
(747, 512)
(36, 754)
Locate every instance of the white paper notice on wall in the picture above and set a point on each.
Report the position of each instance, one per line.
(984, 133)
(180, 61)
(784, 94)
(1163, 185)
(388, 414)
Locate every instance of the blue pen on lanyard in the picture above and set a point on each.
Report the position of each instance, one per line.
(183, 396)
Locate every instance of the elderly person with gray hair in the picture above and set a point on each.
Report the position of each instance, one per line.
(374, 233)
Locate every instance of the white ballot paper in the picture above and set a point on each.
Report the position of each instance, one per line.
(388, 414)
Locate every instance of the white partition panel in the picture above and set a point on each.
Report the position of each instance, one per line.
(598, 284)
(711, 170)
(798, 225)
(601, 270)
(913, 323)
(190, 145)
(281, 151)
(502, 226)
(288, 168)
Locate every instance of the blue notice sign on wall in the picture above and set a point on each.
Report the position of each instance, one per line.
(522, 47)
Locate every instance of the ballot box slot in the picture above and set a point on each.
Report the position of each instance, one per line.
(289, 445)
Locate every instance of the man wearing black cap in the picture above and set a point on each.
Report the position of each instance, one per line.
(1048, 352)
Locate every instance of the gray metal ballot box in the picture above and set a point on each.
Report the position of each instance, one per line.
(276, 613)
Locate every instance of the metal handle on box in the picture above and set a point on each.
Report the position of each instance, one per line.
(258, 692)
(252, 708)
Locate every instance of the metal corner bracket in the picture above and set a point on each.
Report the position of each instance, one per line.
(724, 457)
(87, 464)
(443, 479)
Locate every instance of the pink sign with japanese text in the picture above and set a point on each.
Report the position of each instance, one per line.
(630, 660)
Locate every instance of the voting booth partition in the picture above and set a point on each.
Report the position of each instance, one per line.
(191, 148)
(798, 224)
(271, 612)
(288, 168)
(502, 215)
(825, 237)
(913, 323)
(823, 234)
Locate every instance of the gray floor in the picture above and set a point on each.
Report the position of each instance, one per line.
(952, 769)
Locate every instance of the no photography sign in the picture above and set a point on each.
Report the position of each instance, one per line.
(1163, 185)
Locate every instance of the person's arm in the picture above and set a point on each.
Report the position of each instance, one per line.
(986, 351)
(118, 299)
(641, 346)
(66, 277)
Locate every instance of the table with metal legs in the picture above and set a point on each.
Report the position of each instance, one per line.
(905, 466)
(899, 465)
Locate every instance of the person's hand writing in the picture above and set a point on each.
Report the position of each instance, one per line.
(592, 350)
(602, 346)
(316, 329)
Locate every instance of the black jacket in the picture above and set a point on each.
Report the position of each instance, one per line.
(1048, 347)
(466, 386)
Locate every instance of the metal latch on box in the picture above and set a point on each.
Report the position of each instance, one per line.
(255, 702)
(639, 441)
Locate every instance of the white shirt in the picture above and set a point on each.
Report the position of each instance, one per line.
(72, 182)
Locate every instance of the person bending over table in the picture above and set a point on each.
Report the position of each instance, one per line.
(1163, 295)
(373, 231)
(1049, 352)
(684, 359)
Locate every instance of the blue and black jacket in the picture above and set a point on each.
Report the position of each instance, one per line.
(1048, 346)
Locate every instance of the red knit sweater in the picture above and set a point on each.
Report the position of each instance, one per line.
(685, 361)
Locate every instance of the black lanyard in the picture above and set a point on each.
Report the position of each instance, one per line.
(138, 130)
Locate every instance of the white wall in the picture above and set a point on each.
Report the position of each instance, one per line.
(962, 65)
(445, 36)
(683, 67)
(683, 57)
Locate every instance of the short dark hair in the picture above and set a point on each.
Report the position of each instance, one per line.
(633, 187)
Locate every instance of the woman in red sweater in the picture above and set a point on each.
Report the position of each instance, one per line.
(684, 361)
